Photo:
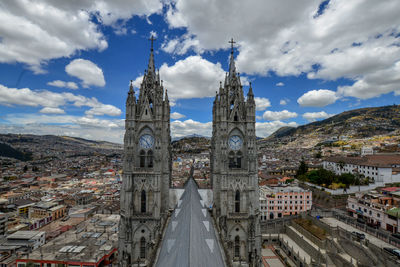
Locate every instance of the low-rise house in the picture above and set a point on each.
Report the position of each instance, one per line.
(376, 209)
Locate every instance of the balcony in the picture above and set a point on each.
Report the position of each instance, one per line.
(238, 215)
(144, 215)
(142, 169)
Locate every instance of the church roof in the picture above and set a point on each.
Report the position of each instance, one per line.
(190, 238)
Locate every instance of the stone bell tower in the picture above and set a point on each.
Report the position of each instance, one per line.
(234, 169)
(147, 170)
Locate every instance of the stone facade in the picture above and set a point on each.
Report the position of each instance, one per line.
(234, 170)
(147, 170)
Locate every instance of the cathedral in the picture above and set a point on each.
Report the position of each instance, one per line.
(153, 232)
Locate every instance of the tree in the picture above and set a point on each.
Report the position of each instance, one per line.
(347, 179)
(303, 168)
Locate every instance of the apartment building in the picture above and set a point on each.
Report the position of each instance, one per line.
(376, 209)
(276, 202)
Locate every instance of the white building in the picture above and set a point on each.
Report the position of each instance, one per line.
(381, 168)
(367, 150)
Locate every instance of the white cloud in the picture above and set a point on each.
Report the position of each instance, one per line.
(181, 45)
(102, 109)
(190, 78)
(87, 71)
(189, 127)
(313, 116)
(264, 129)
(44, 98)
(153, 33)
(317, 98)
(49, 110)
(284, 102)
(290, 38)
(177, 116)
(278, 115)
(85, 127)
(374, 84)
(280, 84)
(62, 84)
(41, 26)
(262, 103)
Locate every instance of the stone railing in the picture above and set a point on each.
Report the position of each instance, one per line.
(238, 215)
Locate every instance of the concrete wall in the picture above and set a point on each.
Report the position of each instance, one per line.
(311, 250)
(351, 190)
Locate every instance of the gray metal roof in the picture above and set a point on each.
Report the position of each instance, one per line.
(190, 239)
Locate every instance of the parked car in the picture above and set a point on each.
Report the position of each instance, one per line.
(397, 235)
(394, 252)
(360, 220)
(359, 235)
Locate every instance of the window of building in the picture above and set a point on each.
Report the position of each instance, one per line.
(237, 246)
(142, 158)
(150, 159)
(237, 201)
(143, 248)
(143, 202)
(379, 215)
(235, 159)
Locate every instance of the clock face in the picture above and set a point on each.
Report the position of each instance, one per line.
(146, 141)
(235, 142)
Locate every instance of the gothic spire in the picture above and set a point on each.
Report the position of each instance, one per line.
(151, 67)
(250, 94)
(232, 68)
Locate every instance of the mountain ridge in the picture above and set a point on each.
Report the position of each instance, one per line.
(356, 123)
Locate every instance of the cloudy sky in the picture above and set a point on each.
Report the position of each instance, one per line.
(65, 66)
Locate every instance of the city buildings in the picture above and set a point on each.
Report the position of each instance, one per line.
(377, 209)
(276, 202)
(92, 243)
(380, 168)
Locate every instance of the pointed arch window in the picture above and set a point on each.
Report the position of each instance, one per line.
(143, 202)
(142, 156)
(235, 159)
(239, 159)
(237, 247)
(235, 118)
(237, 201)
(232, 159)
(142, 248)
(150, 159)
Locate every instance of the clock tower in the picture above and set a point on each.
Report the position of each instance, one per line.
(234, 170)
(147, 170)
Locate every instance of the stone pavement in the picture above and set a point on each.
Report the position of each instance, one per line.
(270, 258)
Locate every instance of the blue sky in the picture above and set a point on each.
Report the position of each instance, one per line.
(65, 66)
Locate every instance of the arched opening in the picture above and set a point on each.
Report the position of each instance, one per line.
(239, 159)
(271, 215)
(150, 159)
(237, 247)
(235, 118)
(142, 158)
(143, 202)
(237, 201)
(232, 159)
(142, 248)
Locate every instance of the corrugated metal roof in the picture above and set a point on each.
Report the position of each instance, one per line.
(190, 239)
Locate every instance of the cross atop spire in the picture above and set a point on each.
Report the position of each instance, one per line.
(152, 39)
(232, 68)
(232, 43)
